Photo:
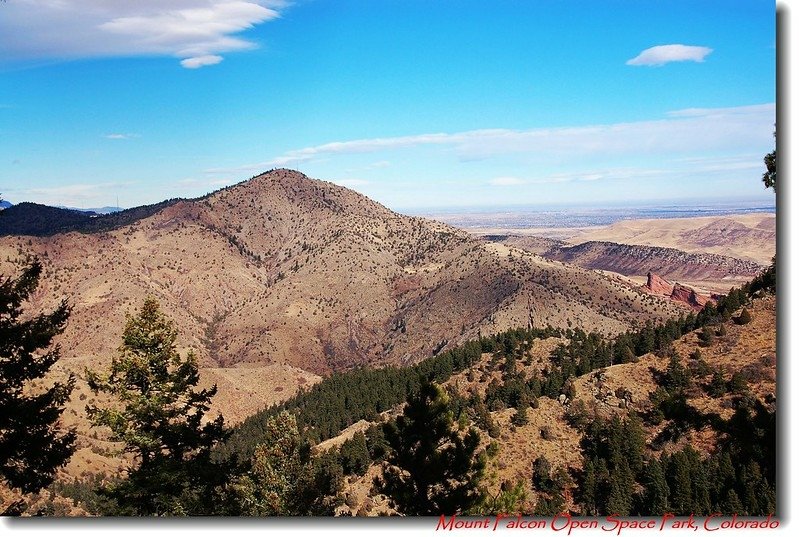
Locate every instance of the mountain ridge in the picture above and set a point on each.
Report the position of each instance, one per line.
(289, 272)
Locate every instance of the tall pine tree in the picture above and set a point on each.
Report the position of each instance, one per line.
(32, 446)
(432, 469)
(161, 420)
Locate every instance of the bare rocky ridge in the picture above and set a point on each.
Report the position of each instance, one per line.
(657, 285)
(637, 260)
(675, 264)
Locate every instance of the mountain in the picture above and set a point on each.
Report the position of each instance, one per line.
(5, 204)
(750, 237)
(304, 277)
(34, 219)
(39, 220)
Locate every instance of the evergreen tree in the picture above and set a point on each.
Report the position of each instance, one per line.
(160, 419)
(355, 455)
(738, 384)
(432, 468)
(770, 175)
(732, 504)
(520, 417)
(622, 484)
(700, 487)
(680, 479)
(717, 386)
(706, 336)
(284, 479)
(656, 490)
(589, 490)
(634, 442)
(744, 318)
(32, 446)
(541, 474)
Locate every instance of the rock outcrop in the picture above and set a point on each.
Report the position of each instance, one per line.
(677, 292)
(657, 285)
(683, 293)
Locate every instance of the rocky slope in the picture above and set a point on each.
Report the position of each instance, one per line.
(305, 277)
(631, 260)
(748, 350)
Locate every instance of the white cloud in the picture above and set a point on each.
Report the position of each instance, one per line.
(120, 136)
(593, 175)
(681, 133)
(200, 61)
(75, 195)
(196, 31)
(664, 54)
(717, 112)
(350, 183)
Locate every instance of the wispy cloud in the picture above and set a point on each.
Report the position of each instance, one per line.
(580, 176)
(663, 54)
(351, 183)
(206, 183)
(120, 136)
(680, 133)
(201, 61)
(74, 195)
(196, 31)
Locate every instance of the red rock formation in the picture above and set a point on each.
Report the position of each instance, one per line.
(682, 293)
(677, 292)
(657, 285)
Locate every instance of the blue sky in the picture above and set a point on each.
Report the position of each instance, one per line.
(413, 103)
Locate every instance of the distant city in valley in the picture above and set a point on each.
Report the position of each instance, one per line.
(537, 217)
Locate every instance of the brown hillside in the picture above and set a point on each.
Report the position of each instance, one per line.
(748, 349)
(748, 237)
(282, 278)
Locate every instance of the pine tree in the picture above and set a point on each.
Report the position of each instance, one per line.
(732, 504)
(634, 442)
(520, 417)
(744, 318)
(160, 419)
(700, 489)
(706, 336)
(770, 175)
(32, 446)
(717, 386)
(432, 469)
(656, 490)
(284, 480)
(541, 474)
(354, 455)
(680, 480)
(589, 490)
